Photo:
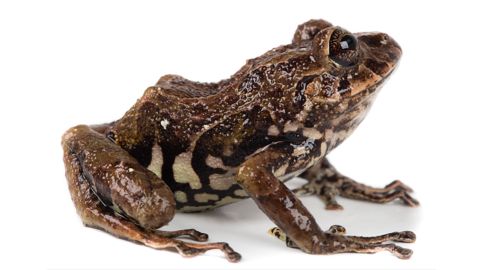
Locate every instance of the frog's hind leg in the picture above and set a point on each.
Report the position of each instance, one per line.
(113, 192)
(326, 182)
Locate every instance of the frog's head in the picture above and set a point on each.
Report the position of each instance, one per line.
(346, 69)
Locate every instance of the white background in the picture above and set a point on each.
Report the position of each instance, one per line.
(63, 63)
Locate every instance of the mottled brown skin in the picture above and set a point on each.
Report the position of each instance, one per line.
(194, 146)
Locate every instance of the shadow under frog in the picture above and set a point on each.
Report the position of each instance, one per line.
(190, 146)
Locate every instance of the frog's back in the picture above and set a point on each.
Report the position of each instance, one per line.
(195, 135)
(194, 138)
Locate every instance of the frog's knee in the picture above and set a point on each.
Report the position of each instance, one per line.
(73, 133)
(151, 208)
(256, 180)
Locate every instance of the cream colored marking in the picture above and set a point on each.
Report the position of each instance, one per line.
(215, 162)
(290, 126)
(281, 171)
(156, 164)
(278, 233)
(328, 134)
(240, 193)
(181, 196)
(164, 123)
(312, 133)
(323, 149)
(291, 175)
(307, 106)
(221, 181)
(226, 200)
(298, 151)
(205, 197)
(183, 171)
(273, 130)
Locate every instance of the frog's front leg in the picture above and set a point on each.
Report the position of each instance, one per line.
(281, 205)
(113, 192)
(326, 182)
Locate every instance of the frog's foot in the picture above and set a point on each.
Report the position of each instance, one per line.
(327, 183)
(337, 242)
(327, 190)
(163, 239)
(116, 204)
(188, 249)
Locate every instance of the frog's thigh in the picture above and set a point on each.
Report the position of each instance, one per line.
(117, 178)
(95, 168)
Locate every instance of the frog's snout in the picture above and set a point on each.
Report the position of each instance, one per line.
(392, 49)
(381, 52)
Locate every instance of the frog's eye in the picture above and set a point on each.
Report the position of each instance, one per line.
(343, 48)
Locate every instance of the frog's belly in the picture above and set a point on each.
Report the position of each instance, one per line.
(217, 190)
(220, 190)
(199, 190)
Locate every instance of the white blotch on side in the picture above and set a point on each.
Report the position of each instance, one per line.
(291, 175)
(240, 193)
(299, 151)
(183, 171)
(181, 196)
(164, 123)
(221, 181)
(205, 197)
(156, 164)
(323, 149)
(312, 133)
(328, 134)
(215, 162)
(273, 130)
(290, 126)
(307, 107)
(226, 200)
(281, 171)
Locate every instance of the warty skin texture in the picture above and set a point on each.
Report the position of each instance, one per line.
(191, 146)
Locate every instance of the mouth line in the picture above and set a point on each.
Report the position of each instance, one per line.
(366, 93)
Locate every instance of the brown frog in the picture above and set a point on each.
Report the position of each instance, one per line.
(191, 146)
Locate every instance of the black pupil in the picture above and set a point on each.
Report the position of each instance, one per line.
(348, 42)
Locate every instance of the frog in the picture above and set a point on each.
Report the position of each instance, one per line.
(189, 146)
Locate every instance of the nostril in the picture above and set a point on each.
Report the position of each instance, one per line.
(385, 39)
